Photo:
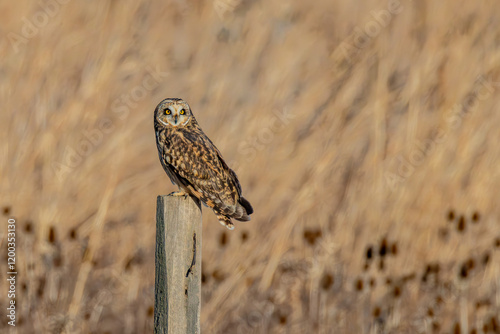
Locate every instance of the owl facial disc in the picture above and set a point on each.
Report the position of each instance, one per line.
(173, 113)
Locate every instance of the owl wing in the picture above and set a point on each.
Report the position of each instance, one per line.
(229, 200)
(204, 172)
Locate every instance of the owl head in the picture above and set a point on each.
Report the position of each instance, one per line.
(173, 112)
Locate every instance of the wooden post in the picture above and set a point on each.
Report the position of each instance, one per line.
(178, 265)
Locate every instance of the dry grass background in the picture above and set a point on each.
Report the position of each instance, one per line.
(344, 238)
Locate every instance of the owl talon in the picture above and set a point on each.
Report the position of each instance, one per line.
(179, 193)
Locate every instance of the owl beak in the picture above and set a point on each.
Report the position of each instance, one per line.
(176, 118)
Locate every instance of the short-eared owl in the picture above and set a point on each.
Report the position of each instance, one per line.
(195, 165)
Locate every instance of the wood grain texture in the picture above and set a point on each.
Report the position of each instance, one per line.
(178, 265)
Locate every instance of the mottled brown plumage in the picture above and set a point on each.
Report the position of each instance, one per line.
(195, 165)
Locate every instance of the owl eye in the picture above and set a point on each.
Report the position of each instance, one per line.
(182, 112)
(168, 112)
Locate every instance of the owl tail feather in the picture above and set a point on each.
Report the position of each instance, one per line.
(246, 205)
(239, 212)
(225, 220)
(243, 210)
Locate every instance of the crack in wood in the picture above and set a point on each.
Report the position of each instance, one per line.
(193, 262)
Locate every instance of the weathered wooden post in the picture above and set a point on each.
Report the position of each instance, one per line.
(178, 265)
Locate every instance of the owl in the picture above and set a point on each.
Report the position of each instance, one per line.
(195, 165)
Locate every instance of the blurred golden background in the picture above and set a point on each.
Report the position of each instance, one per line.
(364, 133)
